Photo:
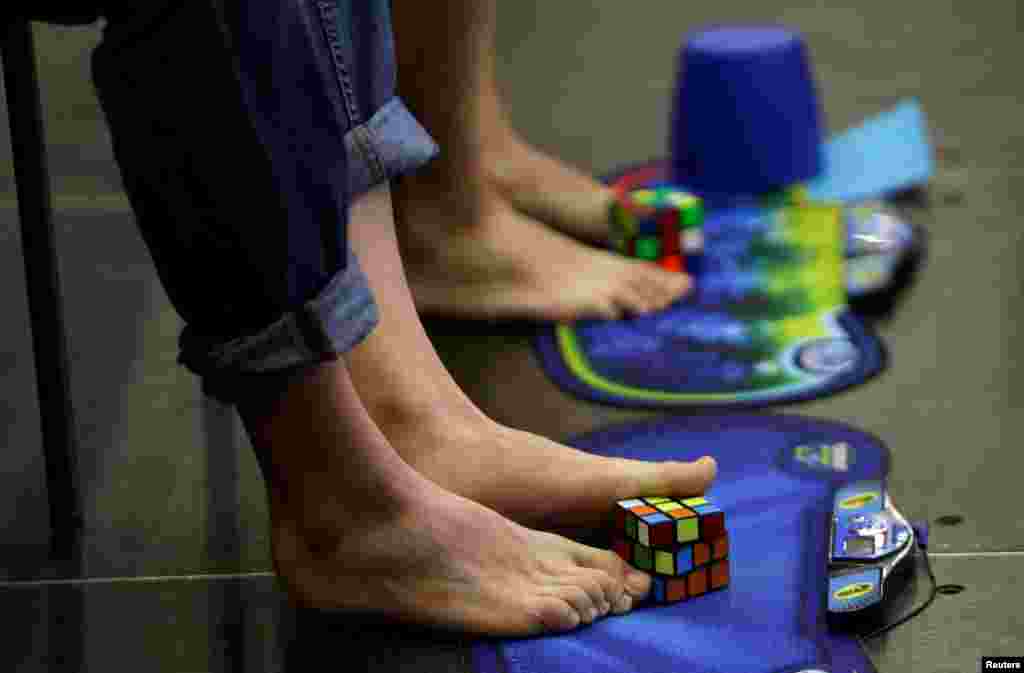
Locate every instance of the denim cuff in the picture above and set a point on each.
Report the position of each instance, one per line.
(391, 143)
(258, 366)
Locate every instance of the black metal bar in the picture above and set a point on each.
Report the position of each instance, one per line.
(42, 279)
(227, 610)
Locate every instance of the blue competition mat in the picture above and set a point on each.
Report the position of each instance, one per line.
(768, 323)
(666, 368)
(770, 320)
(776, 478)
(879, 245)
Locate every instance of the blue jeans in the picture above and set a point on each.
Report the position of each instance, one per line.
(243, 130)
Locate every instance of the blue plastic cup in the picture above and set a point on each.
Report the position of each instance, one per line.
(746, 115)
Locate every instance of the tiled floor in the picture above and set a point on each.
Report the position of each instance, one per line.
(174, 504)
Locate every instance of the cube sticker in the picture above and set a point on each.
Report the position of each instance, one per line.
(642, 558)
(720, 574)
(720, 548)
(697, 582)
(687, 530)
(675, 590)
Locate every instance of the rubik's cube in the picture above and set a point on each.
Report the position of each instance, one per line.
(662, 225)
(682, 543)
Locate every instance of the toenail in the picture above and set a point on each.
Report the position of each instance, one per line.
(636, 582)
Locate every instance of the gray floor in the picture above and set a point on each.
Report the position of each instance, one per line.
(172, 490)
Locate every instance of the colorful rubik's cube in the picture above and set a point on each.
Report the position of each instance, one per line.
(682, 543)
(662, 225)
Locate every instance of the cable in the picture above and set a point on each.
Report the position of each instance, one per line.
(913, 613)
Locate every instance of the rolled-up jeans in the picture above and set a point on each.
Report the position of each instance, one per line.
(243, 130)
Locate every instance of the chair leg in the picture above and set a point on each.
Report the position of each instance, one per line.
(43, 282)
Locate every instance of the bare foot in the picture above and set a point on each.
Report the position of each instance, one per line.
(474, 256)
(546, 188)
(454, 564)
(440, 431)
(526, 477)
(468, 251)
(355, 529)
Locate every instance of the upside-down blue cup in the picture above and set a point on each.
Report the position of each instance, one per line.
(746, 115)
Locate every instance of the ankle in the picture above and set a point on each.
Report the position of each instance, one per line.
(323, 455)
(395, 412)
(443, 417)
(455, 187)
